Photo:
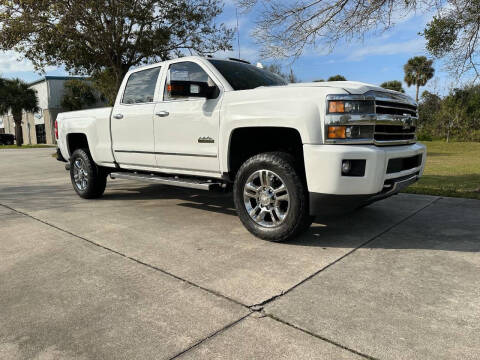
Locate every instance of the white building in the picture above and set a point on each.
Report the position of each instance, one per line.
(39, 128)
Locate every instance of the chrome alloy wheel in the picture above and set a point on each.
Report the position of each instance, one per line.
(266, 198)
(80, 174)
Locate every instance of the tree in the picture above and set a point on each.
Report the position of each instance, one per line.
(292, 78)
(337, 78)
(93, 37)
(454, 33)
(461, 113)
(277, 69)
(104, 82)
(428, 109)
(286, 28)
(319, 80)
(418, 70)
(78, 95)
(456, 116)
(16, 97)
(393, 85)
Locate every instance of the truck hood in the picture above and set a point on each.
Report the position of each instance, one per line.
(304, 90)
(352, 87)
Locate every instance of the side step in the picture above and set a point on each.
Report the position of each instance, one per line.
(174, 181)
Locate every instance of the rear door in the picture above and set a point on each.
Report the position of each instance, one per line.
(132, 120)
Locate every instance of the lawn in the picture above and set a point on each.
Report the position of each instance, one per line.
(452, 169)
(25, 146)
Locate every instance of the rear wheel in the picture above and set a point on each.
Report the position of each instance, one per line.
(88, 180)
(271, 198)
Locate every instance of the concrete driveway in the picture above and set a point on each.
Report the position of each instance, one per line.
(153, 272)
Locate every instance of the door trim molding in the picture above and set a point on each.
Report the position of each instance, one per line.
(165, 153)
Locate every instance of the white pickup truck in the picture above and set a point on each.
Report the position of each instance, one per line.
(288, 152)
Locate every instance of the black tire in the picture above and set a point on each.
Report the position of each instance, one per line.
(96, 178)
(297, 218)
(308, 222)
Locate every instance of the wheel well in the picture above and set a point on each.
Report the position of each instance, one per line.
(246, 142)
(76, 141)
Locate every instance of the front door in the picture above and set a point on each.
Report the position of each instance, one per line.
(132, 120)
(186, 129)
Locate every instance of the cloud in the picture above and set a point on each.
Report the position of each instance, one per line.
(11, 61)
(414, 46)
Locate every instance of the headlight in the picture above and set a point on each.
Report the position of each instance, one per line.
(350, 132)
(351, 107)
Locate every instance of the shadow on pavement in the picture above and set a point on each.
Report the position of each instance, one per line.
(450, 224)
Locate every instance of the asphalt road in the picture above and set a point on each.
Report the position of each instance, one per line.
(154, 272)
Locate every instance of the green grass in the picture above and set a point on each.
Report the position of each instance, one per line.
(452, 169)
(26, 146)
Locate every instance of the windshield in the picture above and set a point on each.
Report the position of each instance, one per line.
(243, 76)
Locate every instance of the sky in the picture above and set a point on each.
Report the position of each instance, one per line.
(379, 58)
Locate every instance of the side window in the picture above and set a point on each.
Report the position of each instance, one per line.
(140, 86)
(185, 71)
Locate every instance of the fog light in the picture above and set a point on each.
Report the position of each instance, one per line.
(346, 166)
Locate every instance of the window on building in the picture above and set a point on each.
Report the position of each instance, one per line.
(41, 136)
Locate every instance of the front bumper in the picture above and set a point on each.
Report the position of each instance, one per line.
(331, 192)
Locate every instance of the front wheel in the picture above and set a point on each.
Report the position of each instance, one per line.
(271, 198)
(88, 180)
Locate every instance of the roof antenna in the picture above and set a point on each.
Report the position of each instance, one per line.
(238, 33)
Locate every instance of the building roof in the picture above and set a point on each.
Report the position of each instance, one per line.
(48, 77)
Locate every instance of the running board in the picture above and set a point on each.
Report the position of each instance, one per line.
(174, 181)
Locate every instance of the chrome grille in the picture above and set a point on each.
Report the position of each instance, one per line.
(393, 133)
(400, 126)
(395, 108)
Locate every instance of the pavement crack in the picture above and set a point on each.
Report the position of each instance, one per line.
(277, 296)
(365, 356)
(156, 268)
(226, 327)
(257, 310)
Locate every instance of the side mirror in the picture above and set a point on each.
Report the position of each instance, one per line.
(178, 88)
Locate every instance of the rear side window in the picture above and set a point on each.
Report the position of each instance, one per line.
(140, 86)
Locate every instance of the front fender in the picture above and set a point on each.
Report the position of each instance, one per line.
(303, 116)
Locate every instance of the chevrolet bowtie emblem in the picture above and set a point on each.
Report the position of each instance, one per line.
(407, 121)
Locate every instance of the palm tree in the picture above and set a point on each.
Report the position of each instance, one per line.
(418, 70)
(16, 97)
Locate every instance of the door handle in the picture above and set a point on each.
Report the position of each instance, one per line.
(118, 116)
(162, 113)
